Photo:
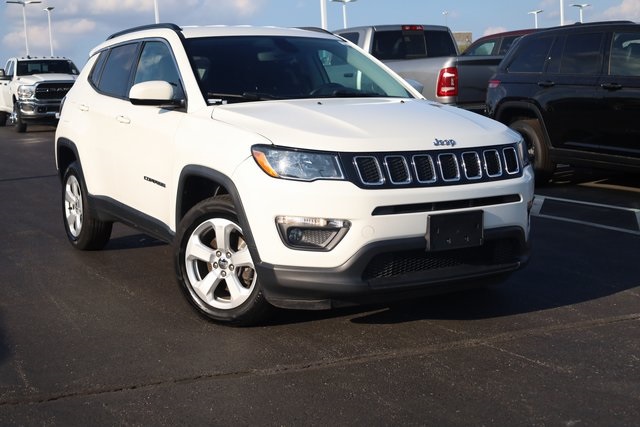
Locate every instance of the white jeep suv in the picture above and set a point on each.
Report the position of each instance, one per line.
(288, 168)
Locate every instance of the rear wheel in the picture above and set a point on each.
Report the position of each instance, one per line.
(214, 266)
(537, 148)
(83, 230)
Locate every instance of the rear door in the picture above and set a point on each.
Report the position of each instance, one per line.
(568, 91)
(620, 90)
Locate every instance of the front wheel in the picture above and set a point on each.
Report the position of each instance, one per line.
(21, 126)
(537, 149)
(83, 230)
(214, 266)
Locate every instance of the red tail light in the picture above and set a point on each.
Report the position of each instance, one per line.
(494, 84)
(448, 82)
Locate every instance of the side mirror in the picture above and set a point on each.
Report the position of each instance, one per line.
(156, 93)
(3, 75)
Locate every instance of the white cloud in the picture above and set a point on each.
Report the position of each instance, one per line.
(628, 10)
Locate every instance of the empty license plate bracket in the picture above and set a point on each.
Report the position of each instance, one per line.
(455, 230)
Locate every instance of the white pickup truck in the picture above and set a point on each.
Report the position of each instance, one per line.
(31, 89)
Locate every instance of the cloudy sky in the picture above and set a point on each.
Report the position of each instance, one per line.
(79, 25)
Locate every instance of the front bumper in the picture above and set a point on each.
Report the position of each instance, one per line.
(38, 111)
(396, 269)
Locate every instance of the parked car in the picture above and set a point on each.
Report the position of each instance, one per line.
(428, 54)
(288, 169)
(497, 44)
(573, 92)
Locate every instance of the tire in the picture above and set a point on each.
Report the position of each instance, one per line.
(20, 125)
(83, 230)
(537, 148)
(214, 266)
(3, 118)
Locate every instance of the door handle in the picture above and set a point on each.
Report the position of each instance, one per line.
(123, 119)
(611, 86)
(547, 83)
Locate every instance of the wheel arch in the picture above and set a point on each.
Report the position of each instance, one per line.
(513, 111)
(66, 154)
(198, 183)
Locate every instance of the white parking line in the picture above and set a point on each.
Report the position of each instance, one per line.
(539, 201)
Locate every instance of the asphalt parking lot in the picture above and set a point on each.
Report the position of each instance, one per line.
(106, 338)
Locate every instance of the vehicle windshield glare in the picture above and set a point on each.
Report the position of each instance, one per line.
(255, 68)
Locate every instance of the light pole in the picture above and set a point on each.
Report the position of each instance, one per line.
(24, 3)
(581, 6)
(323, 14)
(344, 10)
(48, 10)
(156, 12)
(561, 12)
(446, 18)
(535, 16)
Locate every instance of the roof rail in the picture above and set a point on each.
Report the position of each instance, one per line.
(169, 26)
(316, 29)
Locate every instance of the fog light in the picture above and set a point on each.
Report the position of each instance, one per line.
(27, 107)
(319, 234)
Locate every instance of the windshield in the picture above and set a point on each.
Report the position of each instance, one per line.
(26, 68)
(253, 68)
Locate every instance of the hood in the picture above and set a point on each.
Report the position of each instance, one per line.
(48, 77)
(372, 124)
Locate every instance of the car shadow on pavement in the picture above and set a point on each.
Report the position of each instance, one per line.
(133, 241)
(5, 351)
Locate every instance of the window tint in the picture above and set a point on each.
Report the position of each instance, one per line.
(582, 54)
(156, 63)
(506, 44)
(439, 43)
(625, 54)
(399, 45)
(352, 37)
(96, 71)
(117, 70)
(531, 56)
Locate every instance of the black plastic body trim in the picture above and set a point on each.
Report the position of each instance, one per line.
(322, 288)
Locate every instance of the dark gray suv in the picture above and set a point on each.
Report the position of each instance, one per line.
(573, 92)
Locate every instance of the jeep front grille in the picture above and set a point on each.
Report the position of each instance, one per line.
(52, 91)
(432, 168)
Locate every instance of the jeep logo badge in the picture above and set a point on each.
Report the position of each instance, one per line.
(445, 142)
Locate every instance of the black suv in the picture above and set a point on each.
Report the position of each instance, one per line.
(573, 92)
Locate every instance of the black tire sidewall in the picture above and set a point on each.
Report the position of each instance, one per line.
(532, 132)
(93, 234)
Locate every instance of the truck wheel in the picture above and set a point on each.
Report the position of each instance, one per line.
(3, 118)
(531, 131)
(214, 266)
(83, 230)
(21, 126)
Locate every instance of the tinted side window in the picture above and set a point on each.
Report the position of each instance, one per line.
(506, 44)
(625, 54)
(531, 56)
(117, 70)
(582, 54)
(352, 37)
(96, 71)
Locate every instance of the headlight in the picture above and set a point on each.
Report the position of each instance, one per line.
(25, 91)
(298, 165)
(523, 153)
